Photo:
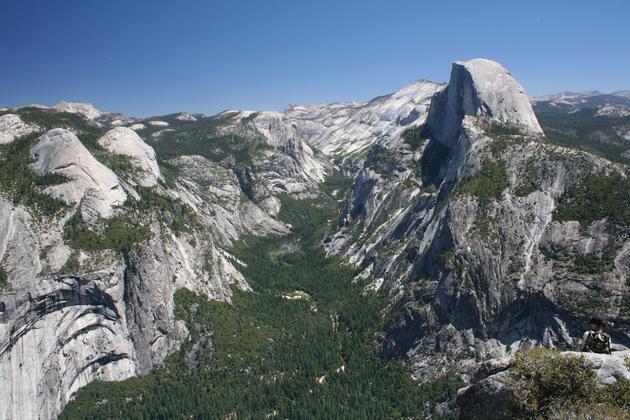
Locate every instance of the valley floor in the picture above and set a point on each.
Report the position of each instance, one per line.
(300, 346)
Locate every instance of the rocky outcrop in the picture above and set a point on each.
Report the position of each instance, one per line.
(462, 233)
(279, 132)
(137, 127)
(215, 193)
(348, 130)
(57, 335)
(90, 183)
(89, 111)
(285, 164)
(124, 141)
(488, 397)
(12, 127)
(184, 116)
(480, 89)
(158, 123)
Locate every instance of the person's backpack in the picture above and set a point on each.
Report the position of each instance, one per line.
(598, 342)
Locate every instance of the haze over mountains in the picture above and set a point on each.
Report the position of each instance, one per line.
(482, 224)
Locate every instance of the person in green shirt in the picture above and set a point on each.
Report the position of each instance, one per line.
(596, 340)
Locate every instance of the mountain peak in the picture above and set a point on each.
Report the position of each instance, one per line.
(499, 96)
(481, 88)
(88, 110)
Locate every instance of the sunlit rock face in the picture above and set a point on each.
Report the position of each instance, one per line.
(12, 127)
(89, 111)
(348, 130)
(472, 276)
(90, 183)
(124, 141)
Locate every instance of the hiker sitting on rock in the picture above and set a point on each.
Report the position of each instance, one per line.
(596, 340)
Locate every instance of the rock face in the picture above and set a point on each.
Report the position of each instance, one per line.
(124, 141)
(90, 183)
(480, 88)
(137, 127)
(285, 162)
(281, 133)
(89, 111)
(348, 130)
(157, 123)
(62, 334)
(488, 397)
(184, 116)
(475, 273)
(12, 127)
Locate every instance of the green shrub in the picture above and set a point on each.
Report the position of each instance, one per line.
(499, 130)
(588, 411)
(543, 379)
(4, 279)
(205, 138)
(72, 266)
(610, 402)
(595, 263)
(23, 185)
(171, 211)
(595, 198)
(119, 234)
(414, 136)
(487, 183)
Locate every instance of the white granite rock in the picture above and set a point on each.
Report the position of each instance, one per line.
(91, 183)
(12, 127)
(137, 127)
(157, 123)
(89, 111)
(125, 141)
(348, 130)
(184, 116)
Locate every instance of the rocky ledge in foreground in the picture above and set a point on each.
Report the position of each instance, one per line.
(547, 383)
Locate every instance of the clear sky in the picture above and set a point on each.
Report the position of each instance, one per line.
(154, 57)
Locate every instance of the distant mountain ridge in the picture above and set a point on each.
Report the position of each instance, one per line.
(610, 103)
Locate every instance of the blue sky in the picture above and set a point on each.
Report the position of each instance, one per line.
(154, 57)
